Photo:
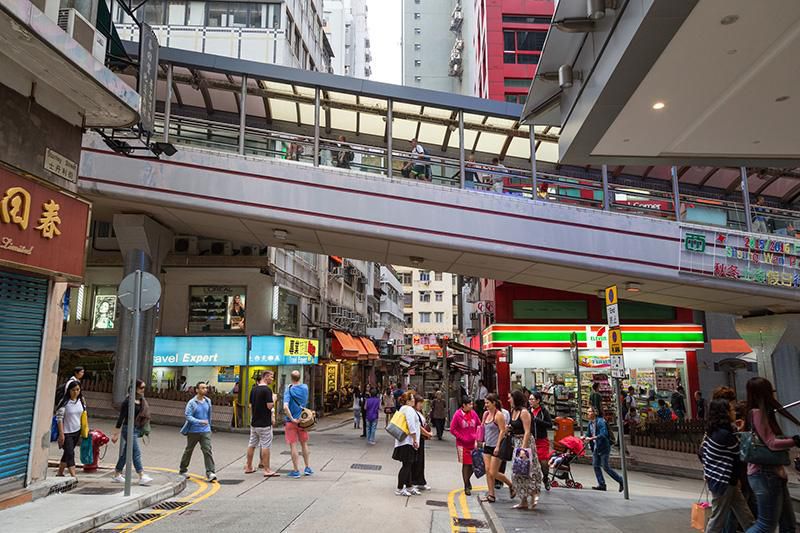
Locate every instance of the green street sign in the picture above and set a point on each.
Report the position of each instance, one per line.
(695, 242)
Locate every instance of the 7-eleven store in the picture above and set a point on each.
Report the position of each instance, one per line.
(657, 357)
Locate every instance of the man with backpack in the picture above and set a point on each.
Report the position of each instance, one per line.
(416, 167)
(344, 155)
(294, 400)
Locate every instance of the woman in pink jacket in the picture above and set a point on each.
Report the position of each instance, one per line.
(464, 427)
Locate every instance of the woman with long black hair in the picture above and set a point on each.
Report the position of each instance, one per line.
(68, 416)
(141, 415)
(541, 422)
(405, 450)
(769, 482)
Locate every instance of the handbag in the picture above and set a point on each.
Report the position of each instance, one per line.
(505, 450)
(398, 426)
(753, 450)
(522, 462)
(478, 466)
(701, 511)
(84, 424)
(87, 453)
(54, 429)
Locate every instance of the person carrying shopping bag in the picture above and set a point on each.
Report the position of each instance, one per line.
(464, 427)
(527, 485)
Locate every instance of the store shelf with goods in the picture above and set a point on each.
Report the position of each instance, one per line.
(606, 392)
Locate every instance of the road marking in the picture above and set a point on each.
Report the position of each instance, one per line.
(203, 492)
(462, 503)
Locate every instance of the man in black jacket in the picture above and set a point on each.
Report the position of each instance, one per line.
(678, 401)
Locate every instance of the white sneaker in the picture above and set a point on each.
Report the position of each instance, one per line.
(212, 476)
(423, 487)
(402, 492)
(145, 480)
(119, 478)
(413, 491)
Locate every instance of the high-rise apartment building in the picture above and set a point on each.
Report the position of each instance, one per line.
(430, 305)
(287, 32)
(345, 24)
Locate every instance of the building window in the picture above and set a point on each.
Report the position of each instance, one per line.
(154, 13)
(418, 78)
(516, 98)
(439, 317)
(409, 319)
(437, 276)
(417, 16)
(408, 338)
(455, 321)
(517, 83)
(408, 299)
(424, 296)
(455, 300)
(216, 309)
(417, 62)
(417, 46)
(526, 19)
(439, 296)
(417, 31)
(522, 47)
(196, 14)
(424, 275)
(424, 318)
(286, 312)
(405, 278)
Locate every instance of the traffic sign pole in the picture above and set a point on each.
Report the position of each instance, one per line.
(618, 373)
(133, 365)
(620, 421)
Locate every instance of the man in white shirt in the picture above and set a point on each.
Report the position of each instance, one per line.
(480, 402)
(416, 166)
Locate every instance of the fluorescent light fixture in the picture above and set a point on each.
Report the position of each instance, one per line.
(659, 105)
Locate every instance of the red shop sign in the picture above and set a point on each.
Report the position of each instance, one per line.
(41, 229)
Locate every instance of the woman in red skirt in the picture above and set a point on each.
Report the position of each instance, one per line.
(541, 422)
(464, 427)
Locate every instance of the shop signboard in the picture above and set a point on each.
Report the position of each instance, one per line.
(298, 351)
(772, 260)
(41, 229)
(594, 361)
(200, 351)
(273, 350)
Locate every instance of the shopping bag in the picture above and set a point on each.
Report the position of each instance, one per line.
(87, 454)
(478, 466)
(522, 462)
(398, 426)
(84, 424)
(701, 510)
(53, 429)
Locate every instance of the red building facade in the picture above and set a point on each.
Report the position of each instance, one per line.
(509, 39)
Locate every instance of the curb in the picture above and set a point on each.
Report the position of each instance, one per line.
(494, 521)
(109, 515)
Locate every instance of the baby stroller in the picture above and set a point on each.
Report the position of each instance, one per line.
(567, 450)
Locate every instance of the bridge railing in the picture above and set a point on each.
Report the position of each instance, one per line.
(480, 177)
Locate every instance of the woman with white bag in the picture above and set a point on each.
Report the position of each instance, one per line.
(405, 449)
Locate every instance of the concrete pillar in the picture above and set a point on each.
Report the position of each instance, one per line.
(144, 243)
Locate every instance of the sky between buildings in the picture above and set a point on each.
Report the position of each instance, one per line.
(385, 34)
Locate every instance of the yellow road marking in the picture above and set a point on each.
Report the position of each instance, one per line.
(196, 497)
(462, 501)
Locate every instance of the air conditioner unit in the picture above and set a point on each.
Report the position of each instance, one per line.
(250, 251)
(184, 245)
(82, 31)
(220, 248)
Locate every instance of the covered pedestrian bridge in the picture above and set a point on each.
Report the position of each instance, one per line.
(257, 147)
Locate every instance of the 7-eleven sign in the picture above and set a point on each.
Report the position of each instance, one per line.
(596, 337)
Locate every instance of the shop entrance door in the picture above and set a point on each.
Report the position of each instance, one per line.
(23, 300)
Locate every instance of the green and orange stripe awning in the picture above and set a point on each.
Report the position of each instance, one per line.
(551, 336)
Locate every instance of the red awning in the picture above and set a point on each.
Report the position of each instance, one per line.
(344, 346)
(369, 346)
(730, 346)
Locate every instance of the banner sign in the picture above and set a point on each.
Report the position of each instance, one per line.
(200, 351)
(592, 337)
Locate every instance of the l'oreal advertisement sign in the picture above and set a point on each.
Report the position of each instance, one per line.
(200, 351)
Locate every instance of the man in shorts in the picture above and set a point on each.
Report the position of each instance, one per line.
(294, 400)
(261, 403)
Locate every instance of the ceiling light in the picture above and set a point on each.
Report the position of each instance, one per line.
(416, 261)
(659, 105)
(732, 51)
(280, 234)
(601, 293)
(728, 20)
(626, 140)
(756, 142)
(782, 98)
(633, 287)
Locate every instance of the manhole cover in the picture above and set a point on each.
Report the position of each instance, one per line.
(97, 491)
(137, 518)
(359, 466)
(436, 503)
(169, 506)
(230, 481)
(468, 522)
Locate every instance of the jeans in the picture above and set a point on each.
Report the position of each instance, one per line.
(123, 448)
(774, 503)
(192, 439)
(600, 463)
(356, 418)
(372, 426)
(729, 502)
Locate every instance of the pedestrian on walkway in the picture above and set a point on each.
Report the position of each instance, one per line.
(495, 426)
(418, 470)
(197, 429)
(356, 408)
(373, 405)
(405, 450)
(526, 487)
(596, 399)
(77, 375)
(699, 406)
(481, 398)
(664, 413)
(364, 396)
(388, 405)
(769, 483)
(678, 401)
(542, 423)
(295, 400)
(720, 458)
(68, 416)
(261, 404)
(141, 415)
(464, 427)
(439, 414)
(600, 442)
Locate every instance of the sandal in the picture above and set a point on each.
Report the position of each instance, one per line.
(249, 471)
(489, 498)
(520, 506)
(513, 492)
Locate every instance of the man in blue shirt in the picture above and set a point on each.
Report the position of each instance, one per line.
(197, 429)
(295, 399)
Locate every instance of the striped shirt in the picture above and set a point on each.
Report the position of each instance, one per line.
(720, 453)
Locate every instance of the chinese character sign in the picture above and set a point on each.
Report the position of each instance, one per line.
(300, 351)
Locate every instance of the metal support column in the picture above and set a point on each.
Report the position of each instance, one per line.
(748, 216)
(606, 199)
(134, 360)
(316, 127)
(534, 179)
(676, 193)
(242, 114)
(389, 162)
(461, 164)
(168, 104)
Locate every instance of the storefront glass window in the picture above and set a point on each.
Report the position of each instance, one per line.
(105, 313)
(288, 315)
(216, 309)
